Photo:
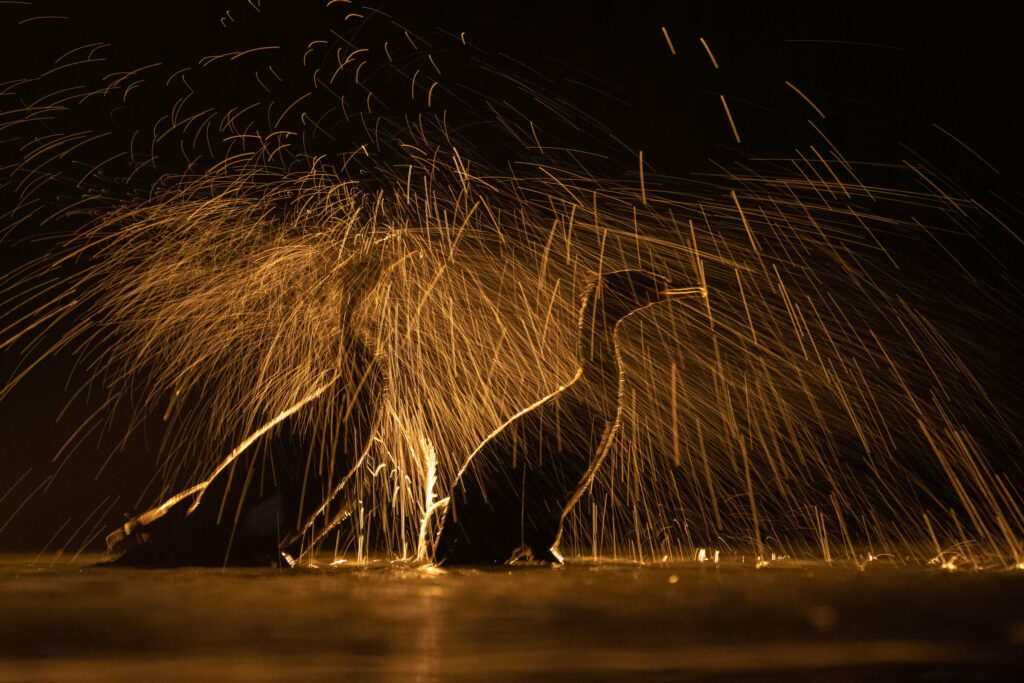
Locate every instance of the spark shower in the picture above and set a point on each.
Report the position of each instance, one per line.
(208, 216)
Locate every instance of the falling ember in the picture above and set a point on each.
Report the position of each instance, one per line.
(806, 99)
(448, 211)
(668, 40)
(728, 115)
(643, 188)
(711, 56)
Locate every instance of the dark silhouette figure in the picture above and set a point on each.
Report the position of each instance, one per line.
(511, 496)
(256, 508)
(260, 507)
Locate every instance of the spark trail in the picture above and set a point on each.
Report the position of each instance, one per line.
(363, 181)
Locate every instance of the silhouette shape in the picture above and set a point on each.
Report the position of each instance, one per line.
(255, 508)
(511, 496)
(261, 503)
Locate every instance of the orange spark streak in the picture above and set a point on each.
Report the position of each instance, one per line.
(806, 99)
(668, 40)
(714, 62)
(732, 123)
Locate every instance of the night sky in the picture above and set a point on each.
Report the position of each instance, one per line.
(883, 75)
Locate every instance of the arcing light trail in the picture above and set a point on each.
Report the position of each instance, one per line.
(807, 404)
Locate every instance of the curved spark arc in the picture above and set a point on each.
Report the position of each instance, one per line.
(223, 284)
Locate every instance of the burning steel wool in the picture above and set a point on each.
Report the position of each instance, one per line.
(356, 275)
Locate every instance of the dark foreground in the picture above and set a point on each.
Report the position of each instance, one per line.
(603, 622)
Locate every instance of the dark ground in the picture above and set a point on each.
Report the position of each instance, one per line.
(611, 621)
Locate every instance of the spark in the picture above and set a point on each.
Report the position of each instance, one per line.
(714, 62)
(728, 114)
(229, 295)
(643, 188)
(806, 99)
(966, 146)
(668, 40)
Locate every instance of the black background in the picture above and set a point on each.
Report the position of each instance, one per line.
(883, 73)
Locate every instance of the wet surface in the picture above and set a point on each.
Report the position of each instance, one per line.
(68, 621)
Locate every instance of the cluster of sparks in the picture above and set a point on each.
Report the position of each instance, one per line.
(806, 407)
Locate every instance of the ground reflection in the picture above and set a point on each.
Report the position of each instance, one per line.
(598, 621)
